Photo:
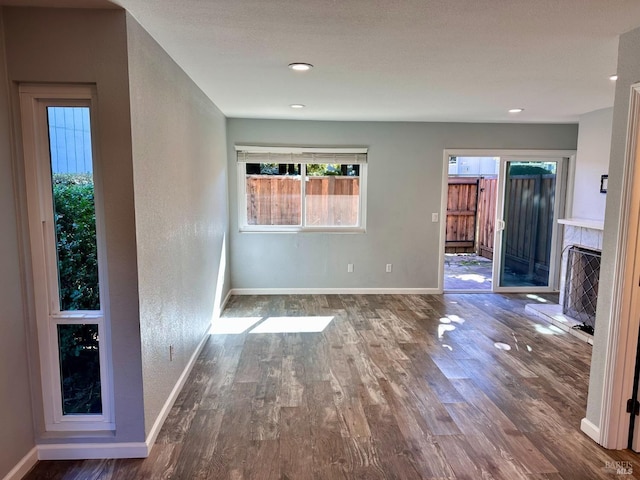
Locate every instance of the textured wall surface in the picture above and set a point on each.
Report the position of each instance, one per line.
(180, 177)
(404, 187)
(89, 46)
(628, 74)
(16, 434)
(592, 161)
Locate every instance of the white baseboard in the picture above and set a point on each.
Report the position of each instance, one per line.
(226, 300)
(23, 466)
(334, 291)
(591, 430)
(164, 412)
(84, 451)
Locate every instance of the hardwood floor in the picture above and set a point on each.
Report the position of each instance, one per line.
(395, 387)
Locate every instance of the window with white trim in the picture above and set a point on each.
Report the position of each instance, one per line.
(67, 250)
(274, 198)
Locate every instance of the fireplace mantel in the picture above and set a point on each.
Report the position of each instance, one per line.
(582, 223)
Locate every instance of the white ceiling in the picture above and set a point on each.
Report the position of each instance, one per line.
(411, 60)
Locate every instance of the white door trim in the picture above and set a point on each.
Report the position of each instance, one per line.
(622, 333)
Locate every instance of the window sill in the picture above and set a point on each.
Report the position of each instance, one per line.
(80, 427)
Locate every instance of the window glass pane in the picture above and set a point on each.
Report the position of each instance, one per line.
(273, 194)
(79, 369)
(74, 207)
(332, 195)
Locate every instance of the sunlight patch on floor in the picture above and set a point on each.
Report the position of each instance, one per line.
(233, 325)
(471, 277)
(442, 328)
(548, 330)
(293, 325)
(561, 318)
(537, 298)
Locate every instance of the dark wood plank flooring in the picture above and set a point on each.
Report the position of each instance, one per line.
(403, 387)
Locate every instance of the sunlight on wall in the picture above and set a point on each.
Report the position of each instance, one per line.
(222, 269)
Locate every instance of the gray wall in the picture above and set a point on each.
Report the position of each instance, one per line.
(592, 161)
(89, 46)
(180, 184)
(16, 434)
(628, 74)
(404, 188)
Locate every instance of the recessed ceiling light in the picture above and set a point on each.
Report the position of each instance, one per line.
(300, 67)
(516, 110)
(297, 105)
(613, 77)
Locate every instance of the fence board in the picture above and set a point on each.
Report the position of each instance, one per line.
(529, 219)
(487, 196)
(276, 200)
(462, 205)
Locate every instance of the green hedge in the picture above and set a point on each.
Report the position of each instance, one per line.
(76, 236)
(75, 223)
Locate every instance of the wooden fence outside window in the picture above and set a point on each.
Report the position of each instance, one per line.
(276, 200)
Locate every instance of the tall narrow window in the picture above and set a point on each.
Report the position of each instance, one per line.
(293, 189)
(74, 217)
(63, 203)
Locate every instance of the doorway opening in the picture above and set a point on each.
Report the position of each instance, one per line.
(500, 230)
(469, 233)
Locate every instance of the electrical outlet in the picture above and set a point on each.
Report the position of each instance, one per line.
(389, 267)
(171, 353)
(434, 217)
(349, 267)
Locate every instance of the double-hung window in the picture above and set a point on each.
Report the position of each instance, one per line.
(287, 189)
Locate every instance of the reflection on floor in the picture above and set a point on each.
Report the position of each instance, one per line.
(467, 271)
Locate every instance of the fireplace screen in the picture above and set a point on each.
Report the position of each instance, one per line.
(581, 286)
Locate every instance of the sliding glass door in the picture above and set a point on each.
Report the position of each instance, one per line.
(529, 202)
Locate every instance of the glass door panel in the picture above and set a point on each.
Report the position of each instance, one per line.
(526, 237)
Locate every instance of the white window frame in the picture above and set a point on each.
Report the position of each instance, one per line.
(34, 100)
(243, 225)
